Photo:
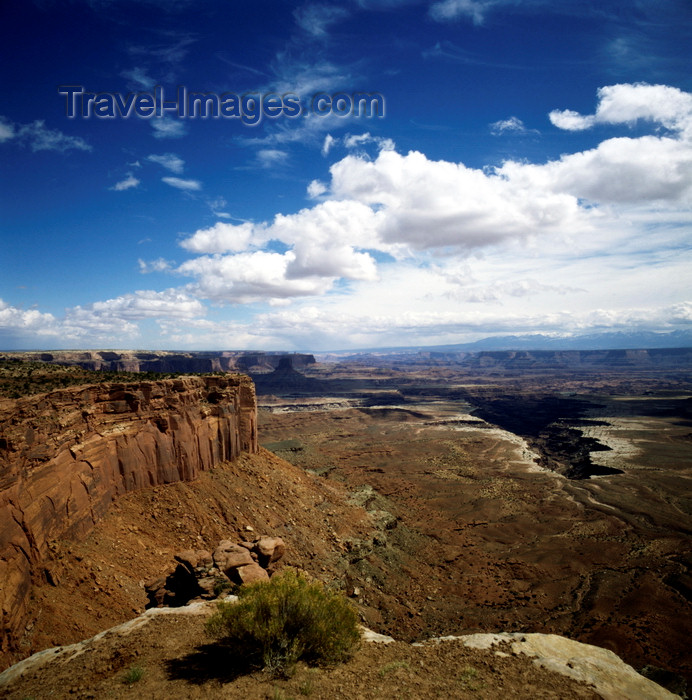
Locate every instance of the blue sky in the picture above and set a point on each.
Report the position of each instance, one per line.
(532, 173)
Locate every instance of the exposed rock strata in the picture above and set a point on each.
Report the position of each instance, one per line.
(66, 455)
(134, 361)
(552, 425)
(285, 379)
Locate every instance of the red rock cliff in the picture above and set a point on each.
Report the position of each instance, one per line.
(66, 455)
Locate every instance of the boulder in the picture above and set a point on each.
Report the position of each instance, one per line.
(228, 556)
(208, 584)
(383, 519)
(269, 550)
(158, 593)
(252, 573)
(198, 573)
(197, 561)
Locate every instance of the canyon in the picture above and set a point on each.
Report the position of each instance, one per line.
(551, 499)
(162, 361)
(67, 455)
(451, 496)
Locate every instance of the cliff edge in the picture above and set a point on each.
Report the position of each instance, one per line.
(66, 455)
(486, 666)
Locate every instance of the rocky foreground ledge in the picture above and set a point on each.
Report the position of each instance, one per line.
(567, 668)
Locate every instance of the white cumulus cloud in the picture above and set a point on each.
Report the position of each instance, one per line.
(112, 321)
(569, 120)
(626, 103)
(428, 204)
(12, 319)
(510, 125)
(248, 277)
(170, 303)
(403, 247)
(316, 189)
(323, 248)
(220, 238)
(645, 169)
(158, 265)
(327, 144)
(352, 141)
(652, 169)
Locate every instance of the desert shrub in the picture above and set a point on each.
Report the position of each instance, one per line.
(285, 620)
(133, 675)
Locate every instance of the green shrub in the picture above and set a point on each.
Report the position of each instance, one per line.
(133, 675)
(287, 619)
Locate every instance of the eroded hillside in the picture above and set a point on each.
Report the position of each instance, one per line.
(67, 455)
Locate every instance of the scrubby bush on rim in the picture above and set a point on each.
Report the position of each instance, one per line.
(285, 620)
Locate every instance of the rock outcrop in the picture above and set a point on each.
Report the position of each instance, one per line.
(66, 455)
(600, 668)
(285, 379)
(525, 360)
(200, 574)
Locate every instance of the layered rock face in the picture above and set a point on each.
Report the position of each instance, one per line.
(164, 361)
(66, 455)
(529, 360)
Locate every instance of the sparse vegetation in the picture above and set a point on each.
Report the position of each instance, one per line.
(468, 675)
(393, 666)
(276, 624)
(278, 694)
(307, 687)
(133, 675)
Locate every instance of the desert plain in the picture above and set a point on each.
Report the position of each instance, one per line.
(552, 500)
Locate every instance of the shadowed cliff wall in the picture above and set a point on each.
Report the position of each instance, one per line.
(66, 455)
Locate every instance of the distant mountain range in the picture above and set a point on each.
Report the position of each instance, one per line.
(621, 340)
